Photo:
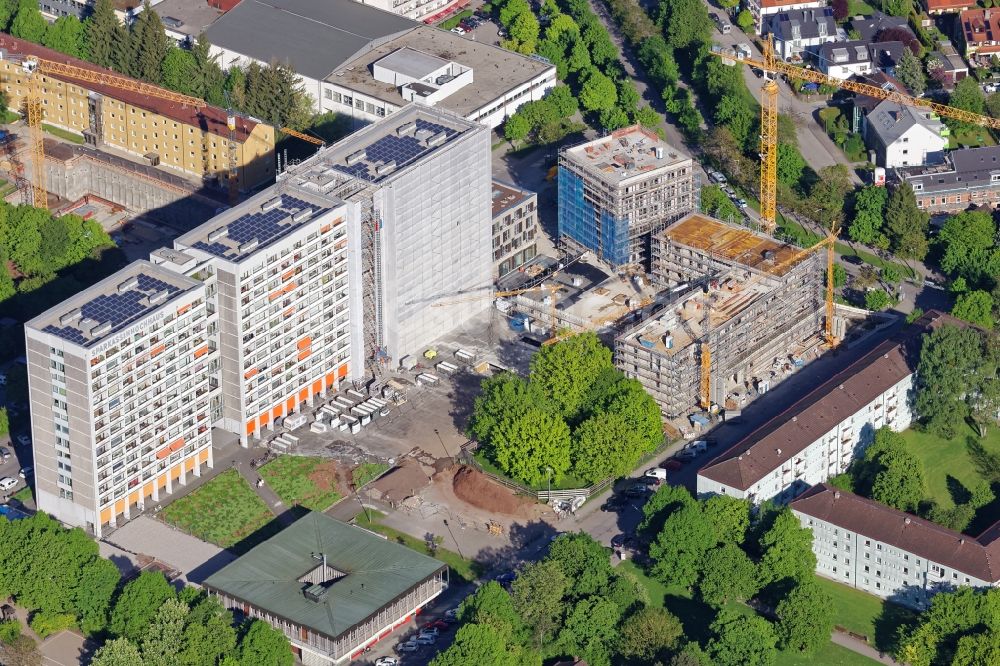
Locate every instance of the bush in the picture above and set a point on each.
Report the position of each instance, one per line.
(45, 624)
(877, 299)
(9, 631)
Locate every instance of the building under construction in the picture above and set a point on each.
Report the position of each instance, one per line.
(741, 301)
(196, 142)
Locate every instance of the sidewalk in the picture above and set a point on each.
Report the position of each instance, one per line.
(862, 648)
(284, 514)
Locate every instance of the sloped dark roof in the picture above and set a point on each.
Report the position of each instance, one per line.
(973, 557)
(213, 118)
(788, 434)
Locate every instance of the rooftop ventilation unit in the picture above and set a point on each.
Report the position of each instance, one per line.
(69, 317)
(354, 158)
(271, 205)
(158, 297)
(87, 323)
(406, 129)
(100, 329)
(249, 246)
(388, 167)
(437, 139)
(128, 285)
(222, 232)
(314, 592)
(302, 215)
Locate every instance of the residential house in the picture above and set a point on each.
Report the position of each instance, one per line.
(801, 31)
(870, 28)
(952, 70)
(904, 136)
(981, 31)
(762, 9)
(863, 105)
(968, 177)
(842, 60)
(892, 554)
(935, 7)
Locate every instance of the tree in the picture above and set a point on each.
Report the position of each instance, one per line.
(138, 603)
(598, 92)
(953, 363)
(565, 371)
(628, 95)
(28, 22)
(179, 71)
(897, 7)
(977, 649)
(538, 593)
(562, 100)
(603, 52)
(523, 30)
(839, 276)
(648, 634)
(590, 629)
(869, 211)
(905, 224)
(584, 563)
(484, 644)
(841, 10)
(740, 118)
(647, 117)
(209, 635)
(532, 446)
(826, 199)
(614, 118)
(604, 445)
(730, 517)
(742, 640)
(791, 164)
(876, 300)
(685, 22)
(492, 606)
(787, 550)
(99, 34)
(516, 127)
(727, 574)
(969, 97)
(679, 550)
(151, 44)
(805, 618)
(501, 396)
(161, 640)
(666, 500)
(975, 307)
(65, 36)
(117, 652)
(968, 246)
(260, 643)
(7, 10)
(98, 582)
(893, 475)
(910, 72)
(745, 21)
(717, 203)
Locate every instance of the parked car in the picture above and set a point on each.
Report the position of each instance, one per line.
(430, 631)
(426, 639)
(742, 203)
(7, 482)
(656, 473)
(637, 490)
(387, 661)
(458, 30)
(4, 453)
(451, 613)
(623, 541)
(408, 646)
(673, 464)
(614, 503)
(439, 625)
(26, 472)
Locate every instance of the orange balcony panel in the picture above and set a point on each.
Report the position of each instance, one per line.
(203, 456)
(342, 371)
(106, 516)
(290, 405)
(184, 308)
(264, 418)
(289, 312)
(95, 361)
(163, 453)
(159, 349)
(119, 507)
(287, 275)
(317, 386)
(198, 353)
(177, 445)
(252, 372)
(303, 395)
(304, 354)
(276, 413)
(133, 498)
(189, 464)
(304, 343)
(325, 228)
(330, 379)
(340, 245)
(148, 489)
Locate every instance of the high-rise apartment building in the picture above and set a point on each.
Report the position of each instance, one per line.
(421, 181)
(616, 191)
(280, 263)
(121, 383)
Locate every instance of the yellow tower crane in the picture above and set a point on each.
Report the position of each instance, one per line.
(36, 68)
(305, 137)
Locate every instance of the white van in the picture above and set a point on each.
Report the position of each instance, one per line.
(656, 473)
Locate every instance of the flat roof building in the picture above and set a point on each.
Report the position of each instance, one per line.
(515, 227)
(366, 63)
(121, 389)
(892, 554)
(330, 587)
(616, 191)
(421, 181)
(824, 431)
(752, 300)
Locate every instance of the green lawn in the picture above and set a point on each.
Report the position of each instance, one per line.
(23, 495)
(7, 117)
(861, 613)
(225, 511)
(567, 482)
(845, 250)
(859, 7)
(367, 472)
(946, 459)
(72, 137)
(453, 22)
(467, 570)
(973, 137)
(697, 616)
(303, 480)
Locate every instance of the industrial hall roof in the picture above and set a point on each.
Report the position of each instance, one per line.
(822, 409)
(214, 118)
(368, 573)
(314, 37)
(979, 557)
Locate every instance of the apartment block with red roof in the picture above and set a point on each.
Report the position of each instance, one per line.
(947, 6)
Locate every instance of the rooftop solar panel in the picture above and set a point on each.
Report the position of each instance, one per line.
(263, 227)
(403, 150)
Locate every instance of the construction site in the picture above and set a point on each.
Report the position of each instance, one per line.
(150, 150)
(738, 312)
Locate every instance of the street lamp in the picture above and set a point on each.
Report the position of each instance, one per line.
(457, 547)
(549, 478)
(445, 448)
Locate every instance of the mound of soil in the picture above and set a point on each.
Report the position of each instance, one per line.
(325, 477)
(472, 486)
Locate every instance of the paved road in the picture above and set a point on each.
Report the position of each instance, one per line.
(862, 648)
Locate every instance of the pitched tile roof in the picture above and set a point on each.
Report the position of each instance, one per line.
(978, 557)
(213, 118)
(818, 412)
